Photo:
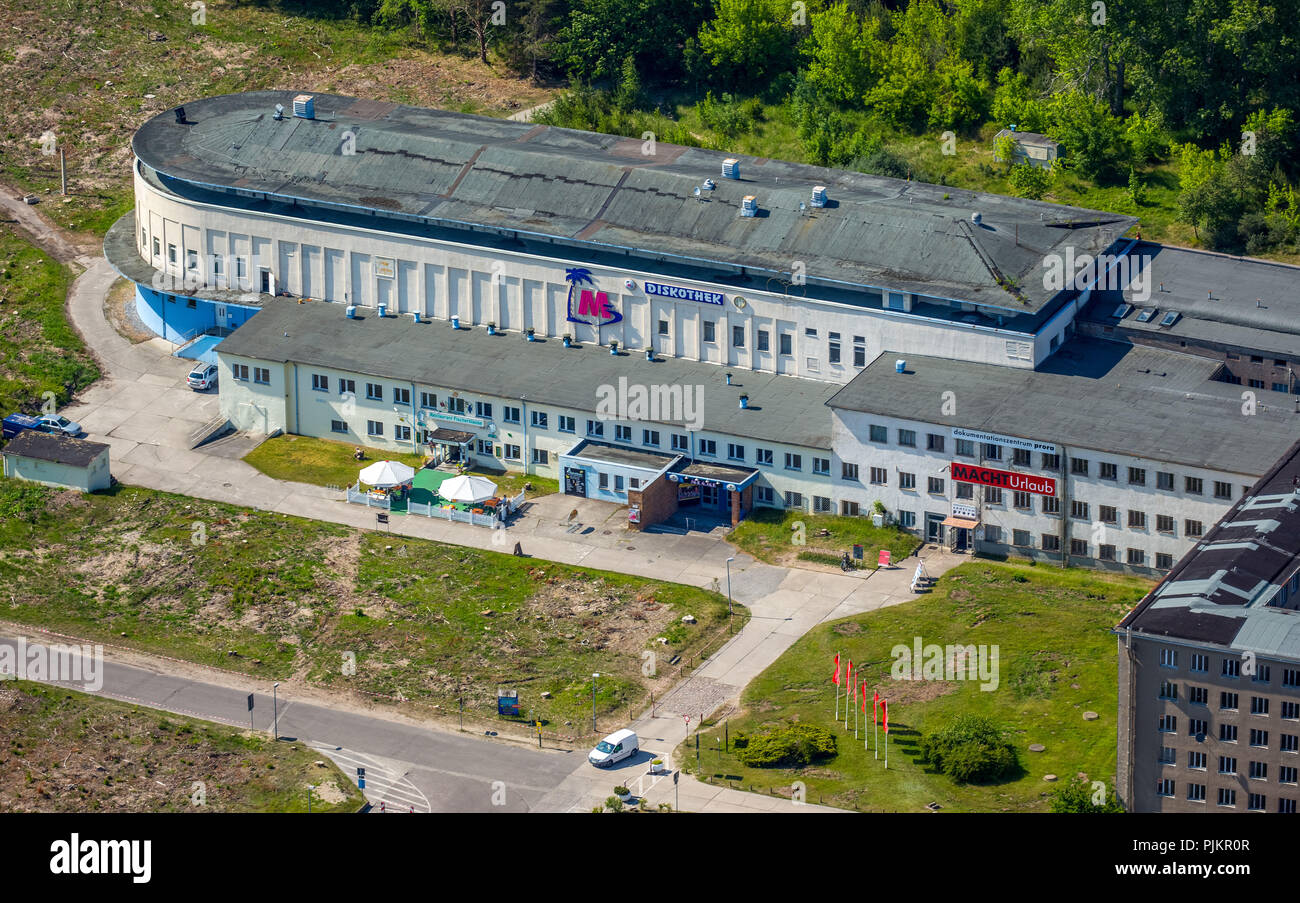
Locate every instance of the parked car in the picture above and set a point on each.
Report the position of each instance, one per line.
(614, 748)
(57, 423)
(16, 423)
(204, 376)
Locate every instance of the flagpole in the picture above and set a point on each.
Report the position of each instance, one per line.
(886, 734)
(855, 721)
(875, 725)
(837, 686)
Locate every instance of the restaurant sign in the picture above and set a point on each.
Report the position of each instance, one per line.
(462, 419)
(1003, 479)
(685, 294)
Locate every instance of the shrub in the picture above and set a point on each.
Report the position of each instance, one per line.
(614, 804)
(1080, 796)
(1028, 181)
(789, 746)
(971, 748)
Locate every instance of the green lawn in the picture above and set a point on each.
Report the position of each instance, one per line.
(39, 351)
(63, 751)
(1057, 660)
(277, 597)
(321, 462)
(773, 535)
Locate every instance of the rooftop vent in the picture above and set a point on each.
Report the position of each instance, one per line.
(744, 402)
(279, 111)
(709, 185)
(819, 196)
(1148, 313)
(731, 168)
(350, 311)
(900, 366)
(304, 107)
(180, 115)
(749, 205)
(976, 218)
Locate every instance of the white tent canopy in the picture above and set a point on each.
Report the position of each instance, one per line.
(385, 474)
(468, 489)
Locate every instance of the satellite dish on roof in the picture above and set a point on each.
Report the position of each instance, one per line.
(279, 111)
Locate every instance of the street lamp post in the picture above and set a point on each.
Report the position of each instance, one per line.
(275, 711)
(593, 701)
(729, 560)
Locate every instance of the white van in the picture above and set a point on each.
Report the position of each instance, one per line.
(614, 748)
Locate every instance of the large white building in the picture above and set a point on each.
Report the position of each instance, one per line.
(500, 278)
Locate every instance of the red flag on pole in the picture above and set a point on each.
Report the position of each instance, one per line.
(884, 705)
(836, 678)
(875, 707)
(864, 697)
(848, 675)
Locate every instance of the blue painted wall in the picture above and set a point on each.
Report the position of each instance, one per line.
(172, 317)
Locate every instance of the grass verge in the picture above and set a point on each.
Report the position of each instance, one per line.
(785, 537)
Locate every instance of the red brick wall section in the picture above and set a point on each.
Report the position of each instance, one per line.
(658, 502)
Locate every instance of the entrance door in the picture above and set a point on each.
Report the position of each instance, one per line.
(933, 527)
(384, 292)
(963, 537)
(709, 495)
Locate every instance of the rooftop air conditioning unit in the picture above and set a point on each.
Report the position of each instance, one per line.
(731, 168)
(304, 107)
(819, 196)
(749, 206)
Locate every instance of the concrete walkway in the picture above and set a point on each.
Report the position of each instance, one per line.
(145, 412)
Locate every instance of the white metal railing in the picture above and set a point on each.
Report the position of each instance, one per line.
(358, 497)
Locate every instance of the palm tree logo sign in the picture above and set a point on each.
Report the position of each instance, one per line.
(593, 307)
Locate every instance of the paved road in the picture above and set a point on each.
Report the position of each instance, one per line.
(434, 770)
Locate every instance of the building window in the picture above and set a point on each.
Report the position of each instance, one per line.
(540, 420)
(1164, 523)
(1078, 510)
(1193, 485)
(1291, 677)
(907, 519)
(1051, 542)
(1106, 553)
(1164, 561)
(738, 336)
(483, 409)
(793, 500)
(820, 466)
(1021, 457)
(543, 457)
(1227, 796)
(763, 457)
(1222, 490)
(848, 471)
(1022, 501)
(191, 260)
(793, 462)
(1286, 774)
(347, 387)
(1258, 738)
(171, 253)
(992, 452)
(907, 438)
(663, 327)
(239, 371)
(934, 485)
(568, 424)
(965, 491)
(1290, 710)
(320, 382)
(1164, 481)
(512, 452)
(1137, 520)
(761, 341)
(906, 480)
(879, 434)
(787, 344)
(1196, 793)
(1021, 538)
(216, 264)
(1051, 505)
(485, 446)
(428, 400)
(457, 406)
(1051, 461)
(1193, 528)
(157, 248)
(622, 433)
(708, 447)
(401, 396)
(262, 375)
(1169, 658)
(1107, 471)
(681, 442)
(1231, 668)
(402, 433)
(833, 351)
(709, 331)
(848, 508)
(1168, 724)
(1165, 787)
(992, 495)
(338, 426)
(859, 356)
(764, 495)
(1261, 674)
(821, 504)
(595, 428)
(1228, 733)
(1200, 663)
(965, 448)
(1079, 466)
(1079, 548)
(1259, 705)
(1108, 514)
(374, 392)
(879, 476)
(1137, 556)
(1228, 701)
(1289, 742)
(650, 437)
(1198, 696)
(374, 428)
(933, 442)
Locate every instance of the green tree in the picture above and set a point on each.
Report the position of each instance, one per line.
(749, 41)
(1016, 103)
(840, 54)
(1093, 139)
(628, 96)
(1029, 181)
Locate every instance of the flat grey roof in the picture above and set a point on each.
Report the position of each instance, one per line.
(584, 189)
(781, 409)
(1220, 591)
(55, 448)
(617, 454)
(1238, 302)
(1094, 394)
